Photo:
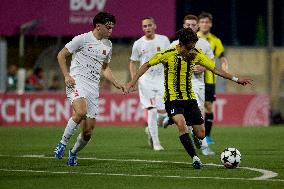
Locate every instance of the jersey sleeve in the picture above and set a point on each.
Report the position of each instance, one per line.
(202, 59)
(219, 50)
(158, 58)
(75, 44)
(135, 52)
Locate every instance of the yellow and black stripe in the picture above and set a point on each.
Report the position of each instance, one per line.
(178, 72)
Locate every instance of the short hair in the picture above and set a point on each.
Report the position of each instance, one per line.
(190, 17)
(205, 15)
(104, 18)
(187, 36)
(149, 18)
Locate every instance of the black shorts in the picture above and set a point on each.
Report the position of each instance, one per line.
(189, 109)
(210, 94)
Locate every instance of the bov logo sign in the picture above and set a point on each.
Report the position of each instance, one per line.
(87, 5)
(83, 11)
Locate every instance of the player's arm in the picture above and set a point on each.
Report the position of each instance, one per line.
(133, 68)
(210, 65)
(157, 59)
(134, 61)
(226, 75)
(138, 74)
(61, 57)
(107, 73)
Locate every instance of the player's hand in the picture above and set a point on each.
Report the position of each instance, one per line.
(130, 87)
(69, 81)
(244, 81)
(134, 88)
(121, 87)
(198, 69)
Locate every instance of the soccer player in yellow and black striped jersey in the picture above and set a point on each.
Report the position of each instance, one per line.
(205, 24)
(180, 100)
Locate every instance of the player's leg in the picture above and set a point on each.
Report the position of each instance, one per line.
(209, 116)
(82, 140)
(86, 127)
(153, 128)
(195, 119)
(162, 117)
(200, 97)
(79, 113)
(148, 101)
(175, 114)
(186, 141)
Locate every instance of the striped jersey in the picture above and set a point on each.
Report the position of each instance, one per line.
(178, 72)
(198, 79)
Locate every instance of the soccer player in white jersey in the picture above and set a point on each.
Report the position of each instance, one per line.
(151, 84)
(191, 21)
(91, 54)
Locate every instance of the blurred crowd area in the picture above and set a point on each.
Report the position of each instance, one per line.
(36, 80)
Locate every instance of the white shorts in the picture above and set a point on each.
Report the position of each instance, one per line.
(151, 97)
(200, 96)
(84, 90)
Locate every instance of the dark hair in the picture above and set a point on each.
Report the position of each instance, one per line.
(190, 17)
(149, 18)
(187, 36)
(205, 15)
(103, 18)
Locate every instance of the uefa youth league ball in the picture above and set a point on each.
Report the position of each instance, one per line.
(231, 158)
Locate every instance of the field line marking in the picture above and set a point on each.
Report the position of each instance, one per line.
(266, 174)
(127, 175)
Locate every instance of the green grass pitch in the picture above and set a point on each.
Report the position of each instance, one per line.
(121, 158)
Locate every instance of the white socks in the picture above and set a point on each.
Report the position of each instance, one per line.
(161, 117)
(153, 126)
(69, 131)
(204, 143)
(79, 145)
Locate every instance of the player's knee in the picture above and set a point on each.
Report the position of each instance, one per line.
(200, 134)
(208, 107)
(182, 127)
(180, 123)
(81, 113)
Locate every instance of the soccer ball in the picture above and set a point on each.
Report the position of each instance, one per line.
(231, 158)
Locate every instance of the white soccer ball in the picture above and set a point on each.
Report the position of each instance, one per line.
(231, 158)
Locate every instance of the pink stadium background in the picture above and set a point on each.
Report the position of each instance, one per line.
(53, 109)
(76, 16)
